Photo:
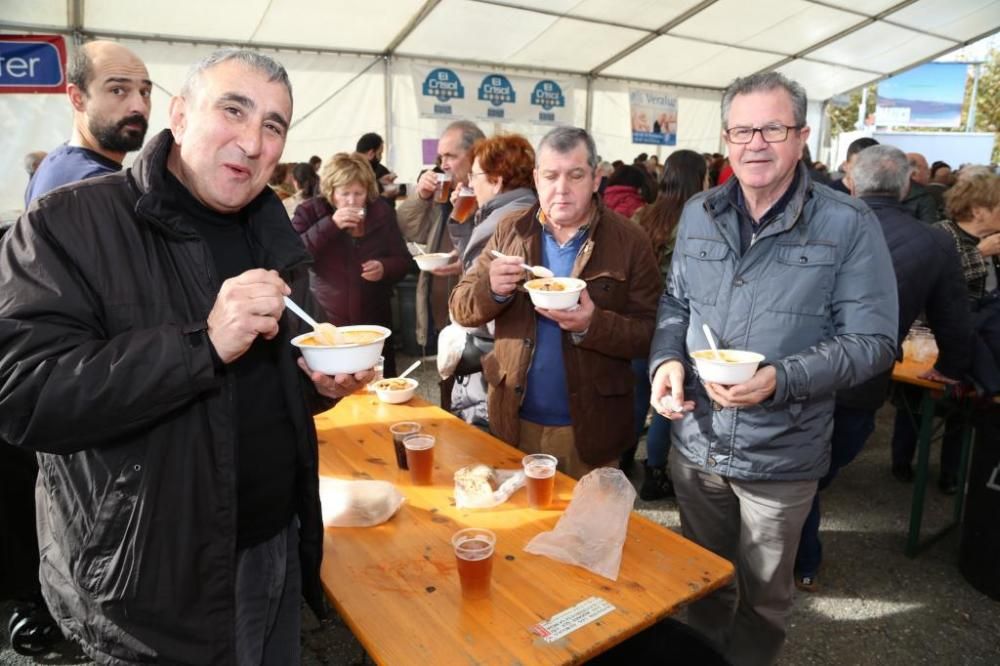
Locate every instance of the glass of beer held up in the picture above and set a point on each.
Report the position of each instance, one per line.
(474, 559)
(464, 204)
(442, 193)
(540, 470)
(358, 230)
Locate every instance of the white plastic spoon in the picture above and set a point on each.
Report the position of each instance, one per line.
(325, 333)
(711, 341)
(538, 271)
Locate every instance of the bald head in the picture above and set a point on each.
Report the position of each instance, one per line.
(109, 88)
(98, 55)
(921, 171)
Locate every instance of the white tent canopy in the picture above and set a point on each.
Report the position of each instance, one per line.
(351, 63)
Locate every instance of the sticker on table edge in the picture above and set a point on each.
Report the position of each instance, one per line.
(571, 619)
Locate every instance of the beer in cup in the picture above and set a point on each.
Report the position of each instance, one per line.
(443, 191)
(401, 431)
(464, 204)
(420, 458)
(540, 473)
(358, 230)
(474, 558)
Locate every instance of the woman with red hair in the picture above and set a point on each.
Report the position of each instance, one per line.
(502, 178)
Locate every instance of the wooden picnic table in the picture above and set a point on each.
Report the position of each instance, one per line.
(396, 585)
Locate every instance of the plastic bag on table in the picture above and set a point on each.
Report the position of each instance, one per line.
(591, 532)
(450, 344)
(361, 503)
(482, 487)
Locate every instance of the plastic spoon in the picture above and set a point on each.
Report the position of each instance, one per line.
(711, 341)
(325, 333)
(538, 271)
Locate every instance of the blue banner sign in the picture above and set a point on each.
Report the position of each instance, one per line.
(32, 64)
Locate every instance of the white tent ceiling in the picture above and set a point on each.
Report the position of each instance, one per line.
(828, 45)
(353, 63)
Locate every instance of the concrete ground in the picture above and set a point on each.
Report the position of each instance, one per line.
(875, 606)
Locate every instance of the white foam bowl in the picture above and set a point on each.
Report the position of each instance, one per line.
(555, 300)
(735, 367)
(397, 396)
(343, 359)
(428, 262)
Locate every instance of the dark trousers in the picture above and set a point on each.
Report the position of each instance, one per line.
(18, 536)
(905, 430)
(268, 601)
(851, 429)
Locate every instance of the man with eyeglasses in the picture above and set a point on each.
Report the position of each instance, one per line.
(776, 264)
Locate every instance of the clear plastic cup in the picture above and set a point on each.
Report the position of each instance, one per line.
(358, 230)
(420, 458)
(379, 370)
(442, 193)
(464, 204)
(474, 548)
(540, 470)
(401, 431)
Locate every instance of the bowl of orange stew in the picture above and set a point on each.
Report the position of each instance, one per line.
(357, 348)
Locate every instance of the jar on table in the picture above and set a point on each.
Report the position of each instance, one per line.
(919, 345)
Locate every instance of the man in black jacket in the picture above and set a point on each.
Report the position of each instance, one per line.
(144, 354)
(929, 279)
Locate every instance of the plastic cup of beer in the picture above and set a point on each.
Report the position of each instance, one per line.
(464, 204)
(420, 458)
(358, 230)
(540, 473)
(442, 193)
(401, 431)
(474, 556)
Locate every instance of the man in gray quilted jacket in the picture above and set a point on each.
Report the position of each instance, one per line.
(776, 264)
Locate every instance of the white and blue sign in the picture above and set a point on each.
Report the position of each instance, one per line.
(444, 85)
(32, 63)
(497, 90)
(548, 95)
(496, 98)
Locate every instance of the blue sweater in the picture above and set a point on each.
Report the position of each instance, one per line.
(67, 164)
(546, 400)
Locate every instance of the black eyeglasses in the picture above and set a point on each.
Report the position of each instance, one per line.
(770, 133)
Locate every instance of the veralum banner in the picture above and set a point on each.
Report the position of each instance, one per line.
(654, 117)
(448, 92)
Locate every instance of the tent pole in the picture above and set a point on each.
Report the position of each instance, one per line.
(590, 103)
(387, 76)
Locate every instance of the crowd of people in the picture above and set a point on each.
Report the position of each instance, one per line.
(145, 378)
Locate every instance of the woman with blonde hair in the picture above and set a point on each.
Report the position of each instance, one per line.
(358, 251)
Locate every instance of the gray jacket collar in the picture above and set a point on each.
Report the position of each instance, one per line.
(504, 198)
(719, 202)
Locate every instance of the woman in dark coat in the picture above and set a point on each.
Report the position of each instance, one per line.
(355, 242)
